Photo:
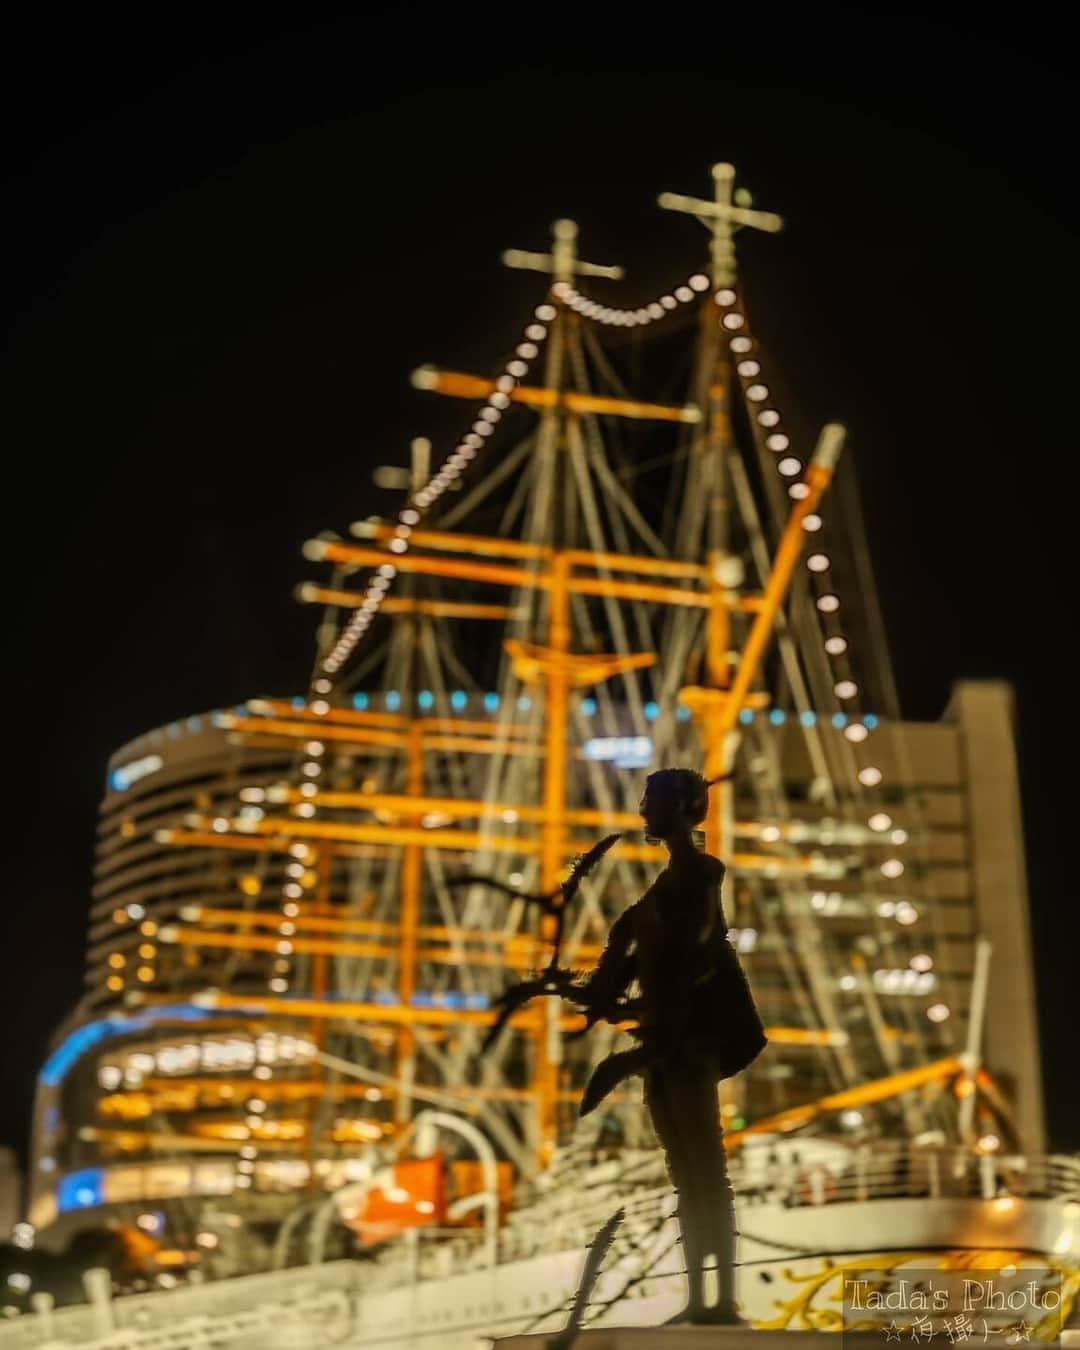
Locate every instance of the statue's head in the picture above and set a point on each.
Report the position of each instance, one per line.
(674, 801)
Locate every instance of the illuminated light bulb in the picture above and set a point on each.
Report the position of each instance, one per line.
(145, 973)
(725, 296)
(856, 733)
(845, 689)
(740, 345)
(136, 912)
(684, 293)
(886, 909)
(308, 789)
(798, 492)
(880, 821)
(699, 282)
(219, 825)
(656, 311)
(828, 604)
(256, 1104)
(642, 315)
(990, 1143)
(286, 929)
(291, 910)
(320, 707)
(115, 983)
(669, 302)
(490, 414)
(923, 961)
(811, 523)
(322, 686)
(835, 646)
(482, 428)
(870, 776)
(748, 369)
(757, 393)
(499, 400)
(851, 1119)
(790, 466)
(733, 321)
(776, 442)
(119, 916)
(409, 516)
(278, 985)
(146, 950)
(898, 837)
(283, 948)
(242, 1182)
(848, 983)
(536, 331)
(312, 768)
(892, 868)
(117, 959)
(937, 1012)
(770, 834)
(545, 313)
(305, 809)
(398, 546)
(528, 350)
(517, 368)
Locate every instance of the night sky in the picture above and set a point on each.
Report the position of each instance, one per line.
(227, 251)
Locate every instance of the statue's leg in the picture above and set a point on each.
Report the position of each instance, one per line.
(711, 1188)
(666, 1108)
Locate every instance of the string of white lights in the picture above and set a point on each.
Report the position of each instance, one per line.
(768, 426)
(300, 878)
(656, 309)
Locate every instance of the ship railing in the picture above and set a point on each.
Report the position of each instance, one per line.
(915, 1173)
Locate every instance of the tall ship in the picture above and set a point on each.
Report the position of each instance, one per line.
(633, 556)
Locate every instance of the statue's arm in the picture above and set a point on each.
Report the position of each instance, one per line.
(614, 970)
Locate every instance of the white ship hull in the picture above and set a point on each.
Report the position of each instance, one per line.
(792, 1260)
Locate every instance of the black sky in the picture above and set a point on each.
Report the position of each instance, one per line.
(227, 250)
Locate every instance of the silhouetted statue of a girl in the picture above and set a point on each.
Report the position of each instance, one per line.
(696, 1019)
(698, 1025)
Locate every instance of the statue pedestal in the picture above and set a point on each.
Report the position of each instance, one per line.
(698, 1338)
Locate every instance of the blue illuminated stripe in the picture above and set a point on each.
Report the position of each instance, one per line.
(76, 1044)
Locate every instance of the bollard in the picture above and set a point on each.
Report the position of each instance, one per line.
(98, 1286)
(42, 1305)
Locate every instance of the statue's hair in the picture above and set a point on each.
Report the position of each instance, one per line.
(686, 788)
